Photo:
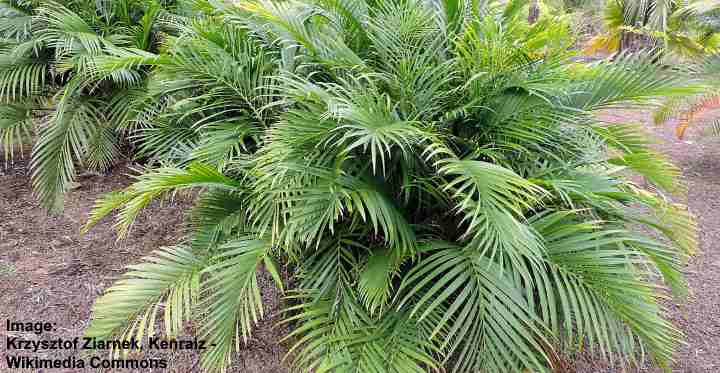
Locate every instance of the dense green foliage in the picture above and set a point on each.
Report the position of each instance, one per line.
(432, 175)
(47, 50)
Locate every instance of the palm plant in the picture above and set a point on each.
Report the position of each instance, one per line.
(46, 52)
(684, 29)
(431, 174)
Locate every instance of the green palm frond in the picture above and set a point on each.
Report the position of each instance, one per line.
(348, 340)
(156, 184)
(627, 138)
(221, 142)
(493, 200)
(233, 297)
(21, 78)
(69, 34)
(366, 120)
(351, 16)
(396, 30)
(144, 29)
(595, 301)
(652, 166)
(629, 80)
(63, 141)
(637, 155)
(122, 66)
(102, 149)
(216, 216)
(165, 284)
(76, 58)
(336, 333)
(16, 128)
(16, 16)
(168, 140)
(313, 205)
(375, 283)
(486, 325)
(672, 220)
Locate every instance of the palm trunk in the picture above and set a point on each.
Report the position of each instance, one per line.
(534, 12)
(633, 42)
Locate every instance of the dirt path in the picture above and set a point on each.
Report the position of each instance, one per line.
(49, 272)
(698, 317)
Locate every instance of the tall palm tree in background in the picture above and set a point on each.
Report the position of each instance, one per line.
(432, 175)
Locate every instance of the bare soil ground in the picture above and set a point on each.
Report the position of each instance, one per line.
(49, 272)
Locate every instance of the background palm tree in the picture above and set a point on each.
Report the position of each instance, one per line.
(685, 29)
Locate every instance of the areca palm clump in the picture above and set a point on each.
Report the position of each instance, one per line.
(431, 174)
(46, 48)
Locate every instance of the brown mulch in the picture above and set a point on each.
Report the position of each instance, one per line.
(49, 272)
(698, 317)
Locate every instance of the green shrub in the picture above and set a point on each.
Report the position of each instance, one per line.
(47, 50)
(432, 175)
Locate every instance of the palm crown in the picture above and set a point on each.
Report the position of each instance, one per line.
(432, 173)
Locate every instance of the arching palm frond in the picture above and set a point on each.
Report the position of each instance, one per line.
(16, 128)
(165, 284)
(485, 323)
(68, 33)
(432, 174)
(76, 57)
(395, 343)
(154, 185)
(630, 80)
(16, 16)
(217, 215)
(21, 77)
(63, 140)
(233, 297)
(493, 201)
(595, 298)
